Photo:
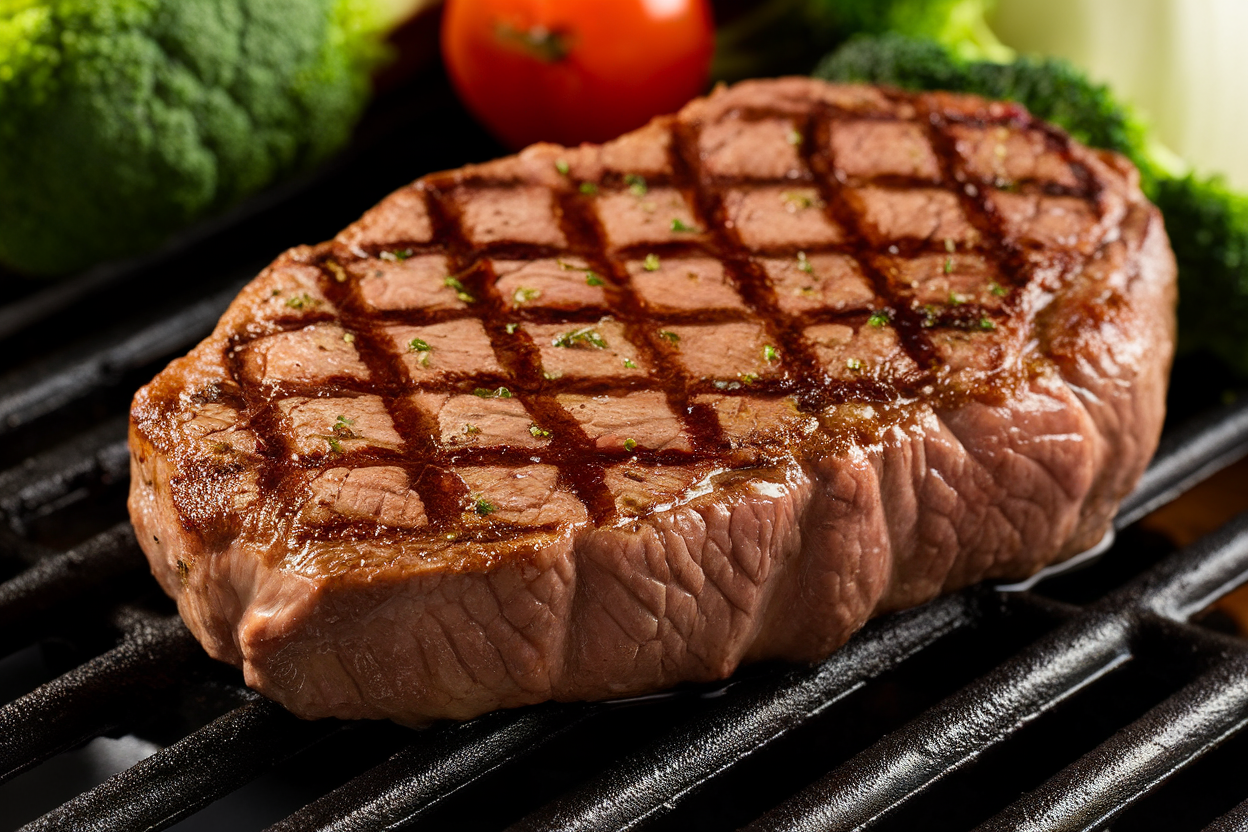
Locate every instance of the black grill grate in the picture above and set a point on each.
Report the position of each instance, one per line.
(989, 709)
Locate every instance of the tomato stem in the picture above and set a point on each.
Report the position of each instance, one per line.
(546, 45)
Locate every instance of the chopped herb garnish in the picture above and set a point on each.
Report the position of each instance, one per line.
(460, 292)
(679, 225)
(471, 429)
(794, 137)
(339, 273)
(630, 364)
(803, 265)
(853, 364)
(349, 337)
(769, 353)
(484, 507)
(592, 279)
(636, 184)
(748, 378)
(669, 336)
(395, 256)
(511, 328)
(561, 165)
(418, 345)
(651, 263)
(955, 299)
(524, 294)
(342, 428)
(878, 319)
(538, 433)
(485, 393)
(589, 188)
(799, 200)
(630, 445)
(334, 444)
(948, 265)
(302, 301)
(996, 289)
(987, 324)
(585, 336)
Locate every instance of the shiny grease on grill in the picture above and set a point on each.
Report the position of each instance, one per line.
(581, 466)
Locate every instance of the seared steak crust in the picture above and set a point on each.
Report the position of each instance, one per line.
(583, 423)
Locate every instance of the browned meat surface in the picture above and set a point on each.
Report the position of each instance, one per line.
(583, 423)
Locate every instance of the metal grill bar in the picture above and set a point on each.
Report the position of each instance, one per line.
(95, 456)
(63, 379)
(97, 696)
(63, 578)
(649, 783)
(433, 768)
(1104, 782)
(190, 774)
(908, 761)
(1235, 820)
(1187, 456)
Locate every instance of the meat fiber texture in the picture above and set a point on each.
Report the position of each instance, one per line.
(587, 423)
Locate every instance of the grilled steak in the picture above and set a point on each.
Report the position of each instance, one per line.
(583, 423)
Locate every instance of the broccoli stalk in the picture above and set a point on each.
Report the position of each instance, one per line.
(122, 121)
(1207, 222)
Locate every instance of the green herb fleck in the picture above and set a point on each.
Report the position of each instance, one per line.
(799, 200)
(955, 299)
(524, 294)
(334, 444)
(585, 336)
(879, 319)
(748, 378)
(669, 336)
(396, 256)
(485, 393)
(589, 188)
(651, 263)
(996, 289)
(803, 265)
(471, 429)
(794, 137)
(679, 225)
(561, 165)
(592, 279)
(769, 353)
(853, 364)
(636, 184)
(948, 265)
(302, 301)
(630, 445)
(484, 507)
(349, 337)
(511, 328)
(418, 345)
(460, 292)
(630, 364)
(538, 433)
(987, 324)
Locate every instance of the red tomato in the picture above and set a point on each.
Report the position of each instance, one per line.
(569, 71)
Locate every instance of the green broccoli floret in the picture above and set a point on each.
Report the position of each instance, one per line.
(787, 36)
(1208, 227)
(1206, 221)
(122, 121)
